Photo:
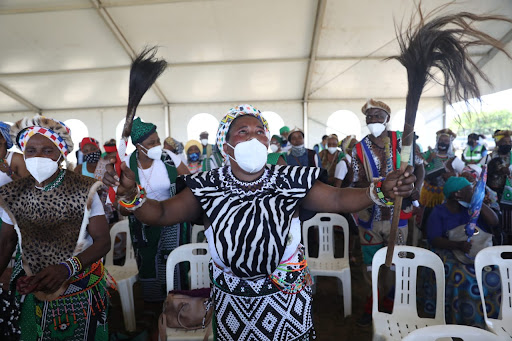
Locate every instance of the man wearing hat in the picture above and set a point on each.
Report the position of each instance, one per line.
(299, 155)
(285, 144)
(156, 170)
(56, 220)
(376, 155)
(206, 149)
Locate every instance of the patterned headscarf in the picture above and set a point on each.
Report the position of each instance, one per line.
(232, 114)
(54, 130)
(141, 130)
(4, 130)
(89, 140)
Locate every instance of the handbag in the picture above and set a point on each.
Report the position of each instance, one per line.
(186, 309)
(480, 240)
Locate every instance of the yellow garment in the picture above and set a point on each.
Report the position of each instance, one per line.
(431, 195)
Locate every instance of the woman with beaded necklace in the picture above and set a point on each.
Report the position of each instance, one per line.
(250, 212)
(56, 220)
(156, 170)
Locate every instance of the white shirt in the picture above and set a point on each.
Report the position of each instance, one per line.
(341, 168)
(155, 179)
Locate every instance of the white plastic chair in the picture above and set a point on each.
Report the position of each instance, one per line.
(196, 230)
(199, 278)
(404, 319)
(325, 264)
(493, 256)
(441, 332)
(125, 275)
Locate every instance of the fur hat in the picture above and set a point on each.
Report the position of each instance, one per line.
(54, 130)
(372, 103)
(499, 134)
(446, 131)
(294, 130)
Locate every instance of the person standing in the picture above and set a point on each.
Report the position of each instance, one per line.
(322, 145)
(12, 165)
(56, 220)
(261, 283)
(206, 149)
(193, 152)
(156, 170)
(343, 173)
(330, 157)
(299, 155)
(376, 155)
(285, 144)
(475, 151)
(277, 156)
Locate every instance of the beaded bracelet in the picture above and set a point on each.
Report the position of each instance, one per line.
(376, 194)
(137, 202)
(76, 265)
(70, 273)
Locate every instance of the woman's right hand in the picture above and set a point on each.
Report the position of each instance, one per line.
(125, 184)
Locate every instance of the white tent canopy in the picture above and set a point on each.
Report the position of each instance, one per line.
(301, 59)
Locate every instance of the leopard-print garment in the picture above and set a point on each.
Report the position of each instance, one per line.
(49, 222)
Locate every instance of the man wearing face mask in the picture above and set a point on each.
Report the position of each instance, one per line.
(56, 219)
(375, 156)
(330, 157)
(156, 170)
(299, 155)
(250, 211)
(206, 149)
(277, 156)
(475, 151)
(499, 176)
(193, 151)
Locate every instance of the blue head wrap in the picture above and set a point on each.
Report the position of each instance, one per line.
(5, 129)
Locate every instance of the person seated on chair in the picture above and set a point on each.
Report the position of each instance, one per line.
(447, 236)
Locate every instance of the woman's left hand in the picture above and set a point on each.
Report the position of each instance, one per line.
(399, 184)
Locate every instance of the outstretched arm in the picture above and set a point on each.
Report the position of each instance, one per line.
(324, 198)
(180, 208)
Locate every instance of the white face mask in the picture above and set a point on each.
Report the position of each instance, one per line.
(376, 128)
(154, 153)
(464, 203)
(274, 148)
(250, 155)
(204, 142)
(41, 168)
(332, 150)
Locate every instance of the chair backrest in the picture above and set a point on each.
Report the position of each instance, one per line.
(196, 230)
(440, 332)
(407, 259)
(326, 223)
(120, 227)
(493, 256)
(199, 274)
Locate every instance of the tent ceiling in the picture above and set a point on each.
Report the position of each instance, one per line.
(72, 54)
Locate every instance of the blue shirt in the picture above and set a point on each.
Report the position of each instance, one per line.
(441, 221)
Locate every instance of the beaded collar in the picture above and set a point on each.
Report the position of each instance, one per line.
(236, 186)
(55, 183)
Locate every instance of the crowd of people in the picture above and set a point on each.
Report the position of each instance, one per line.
(250, 190)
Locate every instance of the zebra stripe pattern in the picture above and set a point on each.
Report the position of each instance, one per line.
(251, 221)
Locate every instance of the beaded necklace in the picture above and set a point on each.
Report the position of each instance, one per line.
(248, 185)
(55, 183)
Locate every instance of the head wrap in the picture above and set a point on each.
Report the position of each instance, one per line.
(232, 114)
(89, 140)
(372, 103)
(453, 184)
(346, 142)
(284, 129)
(204, 133)
(110, 146)
(54, 130)
(4, 130)
(446, 132)
(499, 134)
(294, 130)
(191, 143)
(278, 138)
(141, 130)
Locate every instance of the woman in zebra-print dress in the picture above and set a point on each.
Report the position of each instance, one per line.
(260, 278)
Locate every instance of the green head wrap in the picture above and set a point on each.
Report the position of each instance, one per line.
(278, 138)
(141, 130)
(284, 129)
(453, 184)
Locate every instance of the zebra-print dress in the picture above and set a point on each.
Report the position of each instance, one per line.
(260, 292)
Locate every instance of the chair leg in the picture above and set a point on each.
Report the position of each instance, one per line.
(125, 289)
(346, 290)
